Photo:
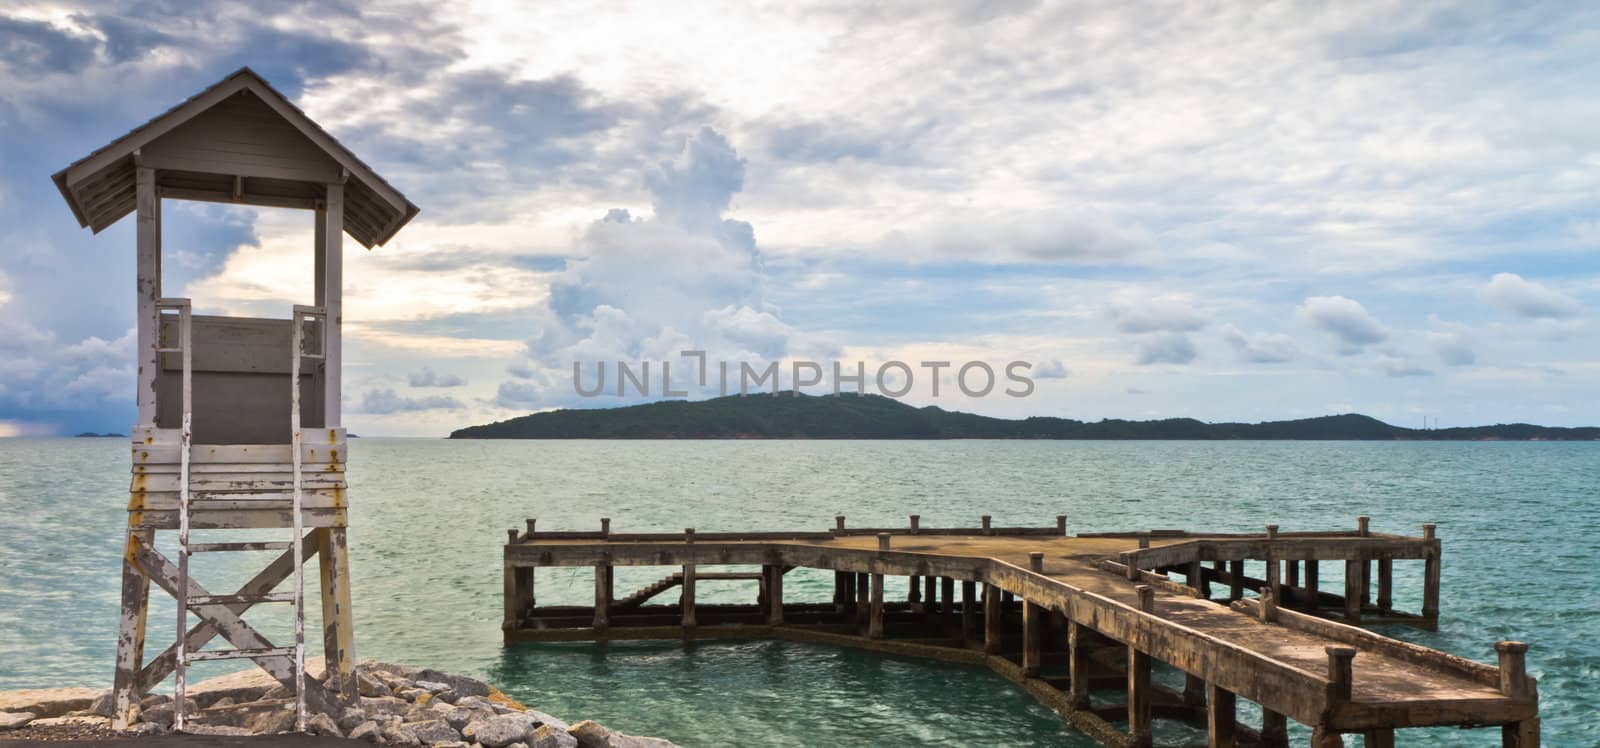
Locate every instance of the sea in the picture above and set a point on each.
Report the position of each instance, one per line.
(1519, 522)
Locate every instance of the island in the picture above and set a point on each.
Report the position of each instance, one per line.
(789, 415)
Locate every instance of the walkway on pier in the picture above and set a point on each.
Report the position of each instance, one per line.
(1106, 590)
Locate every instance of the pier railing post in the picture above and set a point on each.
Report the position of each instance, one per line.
(1341, 672)
(1352, 591)
(1139, 695)
(511, 536)
(688, 604)
(838, 523)
(1130, 563)
(1144, 539)
(605, 527)
(1272, 590)
(1061, 524)
(987, 527)
(1514, 683)
(531, 522)
(916, 523)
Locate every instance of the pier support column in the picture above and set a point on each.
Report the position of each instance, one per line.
(1313, 591)
(126, 688)
(1235, 580)
(1430, 578)
(1221, 717)
(1032, 625)
(1353, 572)
(774, 574)
(1196, 577)
(604, 583)
(1322, 737)
(841, 591)
(947, 604)
(1514, 683)
(1524, 734)
(969, 611)
(992, 631)
(875, 622)
(1274, 729)
(687, 604)
(863, 587)
(1194, 692)
(1139, 695)
(338, 635)
(1385, 584)
(930, 594)
(914, 593)
(1382, 738)
(1078, 664)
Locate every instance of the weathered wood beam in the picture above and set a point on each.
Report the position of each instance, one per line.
(1139, 694)
(1078, 663)
(147, 288)
(338, 636)
(774, 573)
(969, 611)
(1430, 580)
(604, 581)
(992, 619)
(127, 687)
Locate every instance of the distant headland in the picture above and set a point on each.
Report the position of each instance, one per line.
(850, 416)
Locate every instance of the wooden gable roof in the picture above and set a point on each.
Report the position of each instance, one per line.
(239, 141)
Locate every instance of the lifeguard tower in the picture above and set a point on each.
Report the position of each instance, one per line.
(239, 424)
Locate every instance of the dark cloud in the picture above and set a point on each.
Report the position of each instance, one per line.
(1261, 348)
(1345, 320)
(427, 377)
(1528, 299)
(1166, 348)
(37, 48)
(385, 401)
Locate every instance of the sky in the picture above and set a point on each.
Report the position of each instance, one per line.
(1221, 211)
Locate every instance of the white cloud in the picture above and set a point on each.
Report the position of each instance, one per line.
(427, 377)
(1260, 348)
(1169, 313)
(1529, 299)
(385, 401)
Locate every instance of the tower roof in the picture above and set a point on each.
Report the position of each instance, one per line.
(238, 141)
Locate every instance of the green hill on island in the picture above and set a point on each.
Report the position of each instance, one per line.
(850, 416)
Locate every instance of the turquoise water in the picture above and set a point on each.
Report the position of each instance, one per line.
(1520, 524)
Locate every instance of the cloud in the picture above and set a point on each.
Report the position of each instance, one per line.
(385, 401)
(1166, 348)
(1156, 314)
(1260, 348)
(1454, 349)
(426, 377)
(1528, 299)
(1399, 367)
(1345, 320)
(1052, 369)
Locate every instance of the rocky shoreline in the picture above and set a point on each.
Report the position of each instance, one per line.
(400, 705)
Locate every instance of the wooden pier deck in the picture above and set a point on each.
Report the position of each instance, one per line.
(1078, 621)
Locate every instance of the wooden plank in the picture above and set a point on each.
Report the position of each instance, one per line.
(147, 288)
(330, 296)
(338, 636)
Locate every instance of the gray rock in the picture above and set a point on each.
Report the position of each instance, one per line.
(590, 734)
(475, 702)
(411, 693)
(502, 730)
(368, 731)
(13, 720)
(398, 734)
(349, 717)
(384, 705)
(102, 705)
(146, 728)
(434, 731)
(222, 702)
(272, 722)
(278, 691)
(216, 730)
(154, 699)
(368, 685)
(545, 719)
(619, 740)
(549, 736)
(432, 686)
(453, 715)
(322, 724)
(518, 745)
(460, 685)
